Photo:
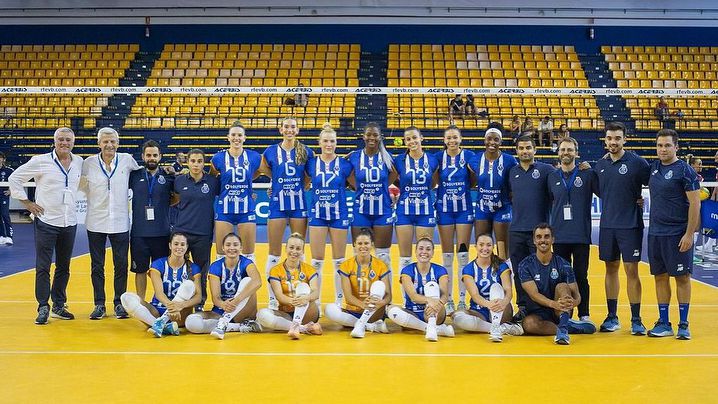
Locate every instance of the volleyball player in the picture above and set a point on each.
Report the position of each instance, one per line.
(415, 208)
(621, 177)
(285, 163)
(493, 207)
(366, 287)
(176, 282)
(425, 287)
(455, 213)
(373, 172)
(233, 284)
(236, 168)
(295, 285)
(488, 281)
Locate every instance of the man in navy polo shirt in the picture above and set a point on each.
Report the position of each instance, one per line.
(552, 292)
(196, 191)
(531, 206)
(149, 237)
(572, 193)
(621, 175)
(674, 218)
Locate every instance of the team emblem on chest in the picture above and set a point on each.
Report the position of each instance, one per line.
(623, 169)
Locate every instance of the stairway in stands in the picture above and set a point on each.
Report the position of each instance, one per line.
(372, 73)
(119, 105)
(613, 108)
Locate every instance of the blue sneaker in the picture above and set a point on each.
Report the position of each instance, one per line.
(661, 330)
(610, 324)
(581, 327)
(683, 333)
(158, 327)
(171, 329)
(562, 337)
(637, 327)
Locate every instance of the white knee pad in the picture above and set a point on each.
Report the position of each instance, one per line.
(265, 317)
(496, 292)
(432, 289)
(130, 301)
(194, 323)
(302, 289)
(185, 291)
(333, 312)
(377, 289)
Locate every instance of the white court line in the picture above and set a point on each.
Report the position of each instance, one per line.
(361, 354)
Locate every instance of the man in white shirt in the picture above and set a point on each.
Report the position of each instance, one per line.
(57, 177)
(545, 130)
(105, 179)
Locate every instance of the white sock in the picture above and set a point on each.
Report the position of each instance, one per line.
(384, 254)
(335, 313)
(195, 324)
(448, 260)
(269, 320)
(318, 265)
(470, 323)
(463, 258)
(403, 262)
(299, 313)
(377, 290)
(338, 292)
(406, 320)
(272, 261)
(251, 257)
(133, 304)
(496, 292)
(227, 317)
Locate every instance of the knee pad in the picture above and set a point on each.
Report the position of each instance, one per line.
(185, 291)
(432, 289)
(399, 316)
(378, 289)
(496, 292)
(333, 312)
(194, 323)
(265, 317)
(130, 301)
(302, 289)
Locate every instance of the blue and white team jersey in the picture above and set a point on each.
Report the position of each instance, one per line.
(235, 176)
(492, 180)
(229, 278)
(484, 278)
(172, 278)
(372, 183)
(435, 273)
(329, 181)
(287, 178)
(415, 176)
(453, 194)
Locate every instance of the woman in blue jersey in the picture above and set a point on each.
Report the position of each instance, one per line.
(425, 287)
(493, 205)
(328, 174)
(236, 168)
(176, 281)
(233, 284)
(415, 207)
(488, 281)
(373, 172)
(454, 209)
(284, 163)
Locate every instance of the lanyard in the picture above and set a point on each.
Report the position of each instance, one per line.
(568, 185)
(102, 167)
(62, 170)
(150, 186)
(359, 266)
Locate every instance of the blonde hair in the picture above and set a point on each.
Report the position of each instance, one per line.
(297, 236)
(299, 147)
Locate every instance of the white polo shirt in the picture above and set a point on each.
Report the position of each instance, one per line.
(55, 188)
(107, 191)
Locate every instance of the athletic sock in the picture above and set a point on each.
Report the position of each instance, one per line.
(403, 262)
(663, 313)
(318, 266)
(272, 261)
(463, 258)
(563, 320)
(448, 260)
(636, 310)
(338, 292)
(612, 307)
(683, 312)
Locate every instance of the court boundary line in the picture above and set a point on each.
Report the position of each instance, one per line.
(360, 354)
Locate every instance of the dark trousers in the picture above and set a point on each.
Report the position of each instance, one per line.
(120, 243)
(578, 255)
(49, 239)
(5, 223)
(521, 245)
(200, 248)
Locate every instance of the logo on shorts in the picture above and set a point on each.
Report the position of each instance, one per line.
(205, 189)
(537, 277)
(536, 174)
(668, 175)
(554, 273)
(470, 218)
(161, 180)
(432, 220)
(252, 217)
(623, 170)
(636, 253)
(679, 268)
(345, 222)
(578, 182)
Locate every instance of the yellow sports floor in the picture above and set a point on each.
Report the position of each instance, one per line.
(114, 361)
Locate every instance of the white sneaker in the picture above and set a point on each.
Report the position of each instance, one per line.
(3, 240)
(8, 240)
(585, 320)
(431, 333)
(511, 329)
(359, 330)
(446, 330)
(380, 327)
(495, 333)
